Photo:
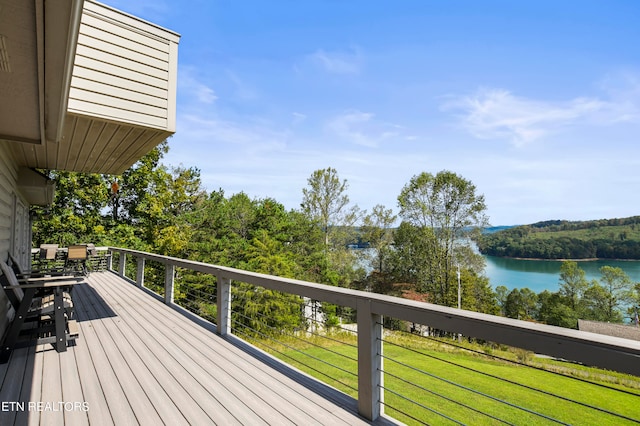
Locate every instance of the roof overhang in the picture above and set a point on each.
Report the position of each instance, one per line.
(37, 47)
(83, 87)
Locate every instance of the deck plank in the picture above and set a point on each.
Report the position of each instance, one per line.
(122, 373)
(279, 395)
(98, 410)
(139, 361)
(51, 394)
(159, 405)
(224, 404)
(182, 395)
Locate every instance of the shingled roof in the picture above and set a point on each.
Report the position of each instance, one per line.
(617, 330)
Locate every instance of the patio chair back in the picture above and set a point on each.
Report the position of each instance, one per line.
(8, 278)
(77, 252)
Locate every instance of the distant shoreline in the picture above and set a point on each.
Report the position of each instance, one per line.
(590, 259)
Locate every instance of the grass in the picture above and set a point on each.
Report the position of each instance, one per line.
(452, 384)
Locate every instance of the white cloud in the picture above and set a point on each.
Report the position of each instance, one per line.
(499, 114)
(361, 128)
(298, 118)
(190, 85)
(346, 62)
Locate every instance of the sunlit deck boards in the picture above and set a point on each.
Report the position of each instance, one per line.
(139, 361)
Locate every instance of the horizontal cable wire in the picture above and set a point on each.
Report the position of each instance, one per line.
(493, 376)
(580, 379)
(466, 387)
(297, 350)
(420, 405)
(313, 333)
(307, 342)
(326, 337)
(438, 395)
(248, 336)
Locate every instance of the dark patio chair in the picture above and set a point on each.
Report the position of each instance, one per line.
(43, 311)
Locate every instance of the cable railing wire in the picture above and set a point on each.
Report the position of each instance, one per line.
(284, 354)
(531, 388)
(466, 387)
(420, 405)
(270, 337)
(580, 379)
(310, 343)
(438, 395)
(302, 340)
(313, 333)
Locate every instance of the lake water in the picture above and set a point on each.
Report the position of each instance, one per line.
(540, 275)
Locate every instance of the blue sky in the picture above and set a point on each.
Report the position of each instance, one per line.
(536, 102)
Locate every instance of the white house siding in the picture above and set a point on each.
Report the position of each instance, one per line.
(125, 69)
(8, 194)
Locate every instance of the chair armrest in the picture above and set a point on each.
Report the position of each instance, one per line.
(53, 278)
(52, 284)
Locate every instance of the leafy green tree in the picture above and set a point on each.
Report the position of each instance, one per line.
(521, 304)
(501, 297)
(413, 259)
(617, 287)
(597, 304)
(325, 199)
(572, 283)
(76, 213)
(554, 310)
(266, 255)
(326, 203)
(447, 205)
(377, 231)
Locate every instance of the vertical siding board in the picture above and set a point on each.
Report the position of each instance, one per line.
(8, 178)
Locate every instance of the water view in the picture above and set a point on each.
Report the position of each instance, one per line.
(540, 275)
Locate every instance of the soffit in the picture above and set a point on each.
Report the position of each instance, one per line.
(19, 100)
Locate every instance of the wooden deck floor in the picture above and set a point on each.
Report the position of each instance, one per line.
(138, 361)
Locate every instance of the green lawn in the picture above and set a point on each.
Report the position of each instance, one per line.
(434, 375)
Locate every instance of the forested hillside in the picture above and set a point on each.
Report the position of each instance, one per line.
(602, 239)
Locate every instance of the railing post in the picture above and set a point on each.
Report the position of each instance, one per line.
(169, 272)
(140, 272)
(110, 260)
(223, 315)
(370, 376)
(122, 263)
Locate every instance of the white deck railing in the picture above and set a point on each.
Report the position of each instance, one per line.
(592, 349)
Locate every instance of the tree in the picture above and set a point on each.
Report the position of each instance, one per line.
(617, 287)
(597, 304)
(325, 199)
(554, 310)
(501, 297)
(325, 202)
(447, 205)
(376, 230)
(76, 213)
(572, 283)
(521, 304)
